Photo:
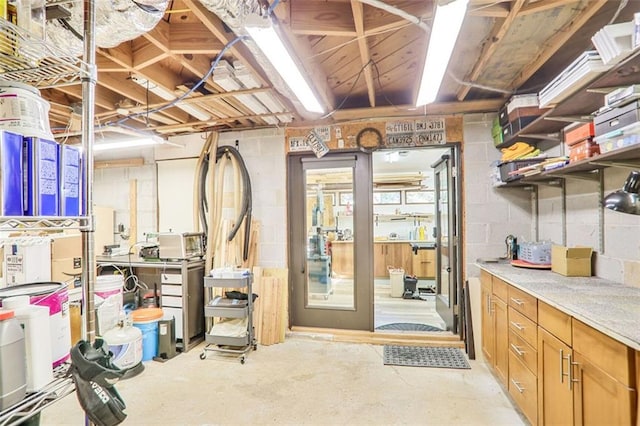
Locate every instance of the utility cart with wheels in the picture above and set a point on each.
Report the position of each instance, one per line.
(229, 317)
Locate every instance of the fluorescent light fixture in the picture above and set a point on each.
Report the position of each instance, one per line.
(265, 37)
(168, 96)
(122, 144)
(444, 33)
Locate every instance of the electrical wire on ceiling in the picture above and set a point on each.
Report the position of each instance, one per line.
(353, 85)
(621, 5)
(174, 102)
(479, 86)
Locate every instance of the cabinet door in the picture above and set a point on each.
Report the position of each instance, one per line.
(380, 260)
(488, 335)
(400, 256)
(423, 264)
(599, 399)
(501, 327)
(555, 398)
(342, 260)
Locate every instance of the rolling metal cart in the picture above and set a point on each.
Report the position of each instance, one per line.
(225, 307)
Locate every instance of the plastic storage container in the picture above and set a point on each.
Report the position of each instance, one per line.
(13, 369)
(396, 279)
(37, 334)
(146, 320)
(109, 299)
(538, 253)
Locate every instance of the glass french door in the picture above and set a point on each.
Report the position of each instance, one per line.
(447, 246)
(330, 222)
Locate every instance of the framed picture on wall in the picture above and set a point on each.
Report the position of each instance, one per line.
(346, 198)
(387, 197)
(418, 197)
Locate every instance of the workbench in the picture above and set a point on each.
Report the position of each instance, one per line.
(181, 285)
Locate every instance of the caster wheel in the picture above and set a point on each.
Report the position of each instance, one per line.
(203, 355)
(255, 347)
(241, 360)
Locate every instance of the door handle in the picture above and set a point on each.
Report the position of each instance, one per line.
(448, 269)
(570, 365)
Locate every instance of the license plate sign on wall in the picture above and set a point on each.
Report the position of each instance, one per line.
(428, 131)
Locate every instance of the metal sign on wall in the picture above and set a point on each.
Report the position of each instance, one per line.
(421, 132)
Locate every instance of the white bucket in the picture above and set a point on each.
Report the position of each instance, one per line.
(396, 279)
(24, 111)
(126, 345)
(37, 336)
(108, 299)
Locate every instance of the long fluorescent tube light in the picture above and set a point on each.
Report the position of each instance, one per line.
(264, 35)
(444, 33)
(133, 143)
(168, 96)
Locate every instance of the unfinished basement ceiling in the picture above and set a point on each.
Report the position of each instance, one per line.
(363, 61)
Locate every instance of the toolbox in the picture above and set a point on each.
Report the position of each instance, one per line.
(617, 118)
(578, 133)
(587, 148)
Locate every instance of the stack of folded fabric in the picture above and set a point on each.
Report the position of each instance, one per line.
(519, 151)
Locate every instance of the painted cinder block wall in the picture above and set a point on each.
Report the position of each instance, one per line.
(490, 213)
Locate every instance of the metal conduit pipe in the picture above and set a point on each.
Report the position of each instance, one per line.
(398, 12)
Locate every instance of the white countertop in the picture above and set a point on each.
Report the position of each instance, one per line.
(609, 307)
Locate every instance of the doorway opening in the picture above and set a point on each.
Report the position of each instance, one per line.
(404, 239)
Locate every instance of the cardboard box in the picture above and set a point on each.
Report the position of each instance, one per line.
(66, 257)
(571, 261)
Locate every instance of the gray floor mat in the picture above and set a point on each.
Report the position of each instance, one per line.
(419, 356)
(407, 326)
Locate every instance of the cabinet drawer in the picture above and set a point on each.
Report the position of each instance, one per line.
(523, 327)
(177, 316)
(500, 289)
(170, 278)
(523, 351)
(172, 290)
(524, 303)
(172, 301)
(555, 322)
(613, 357)
(523, 387)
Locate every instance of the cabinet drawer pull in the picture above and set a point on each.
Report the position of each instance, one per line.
(517, 350)
(517, 385)
(561, 366)
(517, 301)
(518, 326)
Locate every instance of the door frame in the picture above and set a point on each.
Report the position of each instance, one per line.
(362, 316)
(455, 183)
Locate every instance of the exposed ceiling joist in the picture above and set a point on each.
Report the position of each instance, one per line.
(365, 55)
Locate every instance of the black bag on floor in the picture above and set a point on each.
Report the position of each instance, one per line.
(95, 376)
(103, 406)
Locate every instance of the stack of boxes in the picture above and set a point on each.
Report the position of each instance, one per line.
(580, 142)
(515, 115)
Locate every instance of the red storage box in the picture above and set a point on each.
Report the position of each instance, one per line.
(585, 149)
(579, 133)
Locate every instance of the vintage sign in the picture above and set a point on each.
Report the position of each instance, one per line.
(324, 132)
(318, 146)
(298, 144)
(426, 131)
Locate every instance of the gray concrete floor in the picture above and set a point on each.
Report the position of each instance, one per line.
(303, 381)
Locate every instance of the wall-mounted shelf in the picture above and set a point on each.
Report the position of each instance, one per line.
(41, 223)
(579, 106)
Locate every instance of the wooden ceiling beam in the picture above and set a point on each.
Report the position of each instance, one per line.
(500, 10)
(121, 55)
(365, 55)
(439, 108)
(321, 18)
(543, 5)
(557, 41)
(146, 54)
(490, 46)
(193, 38)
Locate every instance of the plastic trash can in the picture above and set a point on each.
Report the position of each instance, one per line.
(396, 279)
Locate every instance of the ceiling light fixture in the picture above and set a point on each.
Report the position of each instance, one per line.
(125, 144)
(626, 200)
(262, 31)
(168, 96)
(444, 33)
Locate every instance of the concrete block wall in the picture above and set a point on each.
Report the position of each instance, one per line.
(490, 213)
(111, 189)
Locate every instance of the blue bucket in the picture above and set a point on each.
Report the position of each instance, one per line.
(146, 320)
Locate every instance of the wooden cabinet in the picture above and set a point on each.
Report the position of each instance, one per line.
(342, 259)
(495, 329)
(396, 255)
(423, 264)
(555, 398)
